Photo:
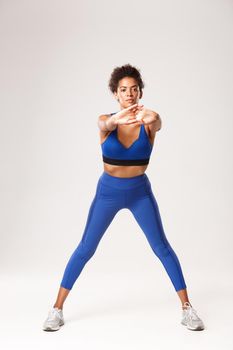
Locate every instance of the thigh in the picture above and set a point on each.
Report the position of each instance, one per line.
(103, 208)
(145, 209)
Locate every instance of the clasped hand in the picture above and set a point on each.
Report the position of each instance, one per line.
(135, 114)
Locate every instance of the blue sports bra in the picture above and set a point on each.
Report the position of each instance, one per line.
(138, 153)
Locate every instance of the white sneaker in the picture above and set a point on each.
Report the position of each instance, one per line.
(191, 319)
(54, 320)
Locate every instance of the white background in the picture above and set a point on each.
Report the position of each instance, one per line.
(56, 58)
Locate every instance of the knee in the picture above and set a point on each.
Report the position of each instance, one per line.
(162, 250)
(84, 251)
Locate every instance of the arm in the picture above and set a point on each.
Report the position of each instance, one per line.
(156, 125)
(106, 122)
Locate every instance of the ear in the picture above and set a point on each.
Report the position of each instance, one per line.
(116, 97)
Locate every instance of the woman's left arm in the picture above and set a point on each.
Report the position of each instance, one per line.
(150, 118)
(156, 123)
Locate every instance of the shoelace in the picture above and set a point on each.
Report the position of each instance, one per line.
(192, 313)
(51, 313)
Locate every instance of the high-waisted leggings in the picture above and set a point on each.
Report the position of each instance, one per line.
(113, 194)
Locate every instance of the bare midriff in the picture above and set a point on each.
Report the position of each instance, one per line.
(124, 170)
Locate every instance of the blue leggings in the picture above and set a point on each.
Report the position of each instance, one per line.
(112, 194)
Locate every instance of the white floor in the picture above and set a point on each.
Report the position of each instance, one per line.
(111, 312)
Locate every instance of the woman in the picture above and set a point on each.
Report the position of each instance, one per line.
(127, 139)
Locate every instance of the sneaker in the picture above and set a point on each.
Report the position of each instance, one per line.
(54, 320)
(191, 319)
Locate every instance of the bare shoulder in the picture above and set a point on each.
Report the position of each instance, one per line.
(104, 116)
(100, 122)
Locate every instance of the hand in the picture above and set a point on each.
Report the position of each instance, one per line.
(146, 116)
(127, 115)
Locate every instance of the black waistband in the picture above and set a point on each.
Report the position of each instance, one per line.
(125, 161)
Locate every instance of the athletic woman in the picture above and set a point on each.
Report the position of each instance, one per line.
(127, 139)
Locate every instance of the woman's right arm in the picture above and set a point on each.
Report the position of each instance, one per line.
(107, 122)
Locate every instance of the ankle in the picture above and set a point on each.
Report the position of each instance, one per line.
(184, 307)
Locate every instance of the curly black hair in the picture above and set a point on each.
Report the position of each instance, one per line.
(125, 71)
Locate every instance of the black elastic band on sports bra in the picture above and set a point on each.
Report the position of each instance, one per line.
(125, 161)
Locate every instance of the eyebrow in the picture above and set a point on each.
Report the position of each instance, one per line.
(126, 86)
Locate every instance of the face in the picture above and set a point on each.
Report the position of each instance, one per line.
(128, 92)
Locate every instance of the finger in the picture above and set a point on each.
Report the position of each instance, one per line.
(131, 121)
(132, 118)
(131, 115)
(131, 107)
(139, 109)
(134, 111)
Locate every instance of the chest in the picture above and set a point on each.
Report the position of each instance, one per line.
(124, 146)
(127, 136)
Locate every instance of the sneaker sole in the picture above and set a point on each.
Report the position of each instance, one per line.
(193, 329)
(49, 329)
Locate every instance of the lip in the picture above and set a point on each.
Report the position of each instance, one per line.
(130, 100)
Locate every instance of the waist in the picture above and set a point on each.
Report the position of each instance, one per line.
(123, 182)
(115, 161)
